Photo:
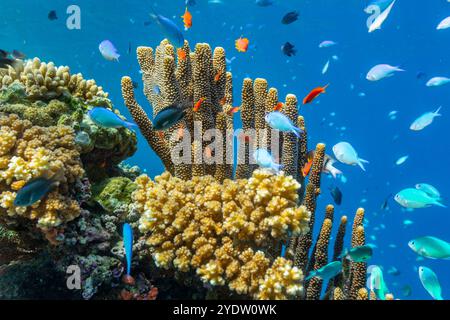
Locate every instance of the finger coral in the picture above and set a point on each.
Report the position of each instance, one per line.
(221, 229)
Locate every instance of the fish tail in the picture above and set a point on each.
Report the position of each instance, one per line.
(326, 86)
(311, 275)
(130, 125)
(297, 131)
(437, 203)
(335, 172)
(436, 113)
(360, 163)
(277, 167)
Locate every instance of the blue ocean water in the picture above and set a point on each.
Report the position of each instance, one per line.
(353, 109)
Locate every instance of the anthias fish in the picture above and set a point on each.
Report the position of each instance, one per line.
(187, 19)
(33, 191)
(241, 44)
(314, 93)
(168, 117)
(108, 119)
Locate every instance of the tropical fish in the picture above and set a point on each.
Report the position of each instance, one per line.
(325, 67)
(307, 166)
(52, 15)
(278, 106)
(198, 104)
(424, 120)
(290, 17)
(187, 19)
(5, 62)
(135, 85)
(393, 271)
(358, 254)
(437, 81)
(314, 93)
(242, 44)
(385, 205)
(288, 49)
(327, 272)
(169, 29)
(108, 119)
(376, 24)
(415, 199)
(328, 166)
(217, 76)
(327, 44)
(444, 24)
(337, 195)
(108, 51)
(407, 222)
(128, 245)
(279, 121)
(233, 110)
(429, 190)
(376, 282)
(382, 71)
(181, 54)
(401, 160)
(33, 191)
(264, 159)
(167, 117)
(264, 3)
(345, 153)
(430, 247)
(430, 282)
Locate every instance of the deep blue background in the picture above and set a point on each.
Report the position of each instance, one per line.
(408, 38)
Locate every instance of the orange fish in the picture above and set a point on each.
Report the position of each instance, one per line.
(198, 104)
(217, 76)
(223, 101)
(242, 44)
(187, 19)
(161, 135)
(314, 93)
(233, 110)
(278, 106)
(307, 167)
(181, 54)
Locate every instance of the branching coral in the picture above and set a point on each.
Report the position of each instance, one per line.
(220, 229)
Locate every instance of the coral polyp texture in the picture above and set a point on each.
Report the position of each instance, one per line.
(222, 230)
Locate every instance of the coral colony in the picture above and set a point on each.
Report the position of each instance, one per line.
(213, 225)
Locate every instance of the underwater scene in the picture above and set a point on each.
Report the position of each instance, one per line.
(224, 149)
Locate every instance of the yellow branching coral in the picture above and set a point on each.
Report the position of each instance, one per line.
(27, 152)
(45, 81)
(221, 230)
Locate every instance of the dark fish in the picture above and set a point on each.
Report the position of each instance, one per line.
(33, 191)
(135, 85)
(52, 15)
(290, 17)
(288, 49)
(18, 55)
(190, 3)
(129, 48)
(264, 3)
(337, 195)
(167, 117)
(5, 62)
(385, 204)
(420, 75)
(3, 53)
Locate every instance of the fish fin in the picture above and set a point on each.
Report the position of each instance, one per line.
(399, 68)
(334, 172)
(131, 125)
(297, 131)
(360, 163)
(437, 203)
(325, 87)
(277, 167)
(436, 113)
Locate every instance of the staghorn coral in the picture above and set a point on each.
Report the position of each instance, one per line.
(219, 229)
(27, 152)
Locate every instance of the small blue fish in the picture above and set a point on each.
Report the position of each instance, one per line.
(33, 191)
(358, 254)
(429, 190)
(327, 44)
(108, 119)
(279, 121)
(425, 120)
(327, 272)
(382, 71)
(415, 199)
(376, 282)
(430, 282)
(264, 159)
(108, 51)
(169, 29)
(128, 245)
(437, 81)
(430, 247)
(168, 117)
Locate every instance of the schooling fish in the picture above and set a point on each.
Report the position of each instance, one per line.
(290, 17)
(169, 29)
(430, 282)
(264, 159)
(382, 71)
(314, 93)
(167, 117)
(444, 24)
(437, 81)
(401, 160)
(187, 19)
(108, 119)
(328, 167)
(241, 44)
(358, 254)
(128, 245)
(376, 282)
(279, 121)
(376, 24)
(415, 199)
(326, 67)
(393, 271)
(108, 51)
(327, 272)
(429, 190)
(327, 44)
(430, 247)
(345, 153)
(337, 195)
(288, 49)
(33, 191)
(424, 120)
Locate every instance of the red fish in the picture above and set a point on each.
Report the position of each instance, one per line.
(278, 106)
(307, 167)
(217, 76)
(314, 93)
(233, 110)
(242, 44)
(181, 54)
(198, 104)
(223, 101)
(187, 19)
